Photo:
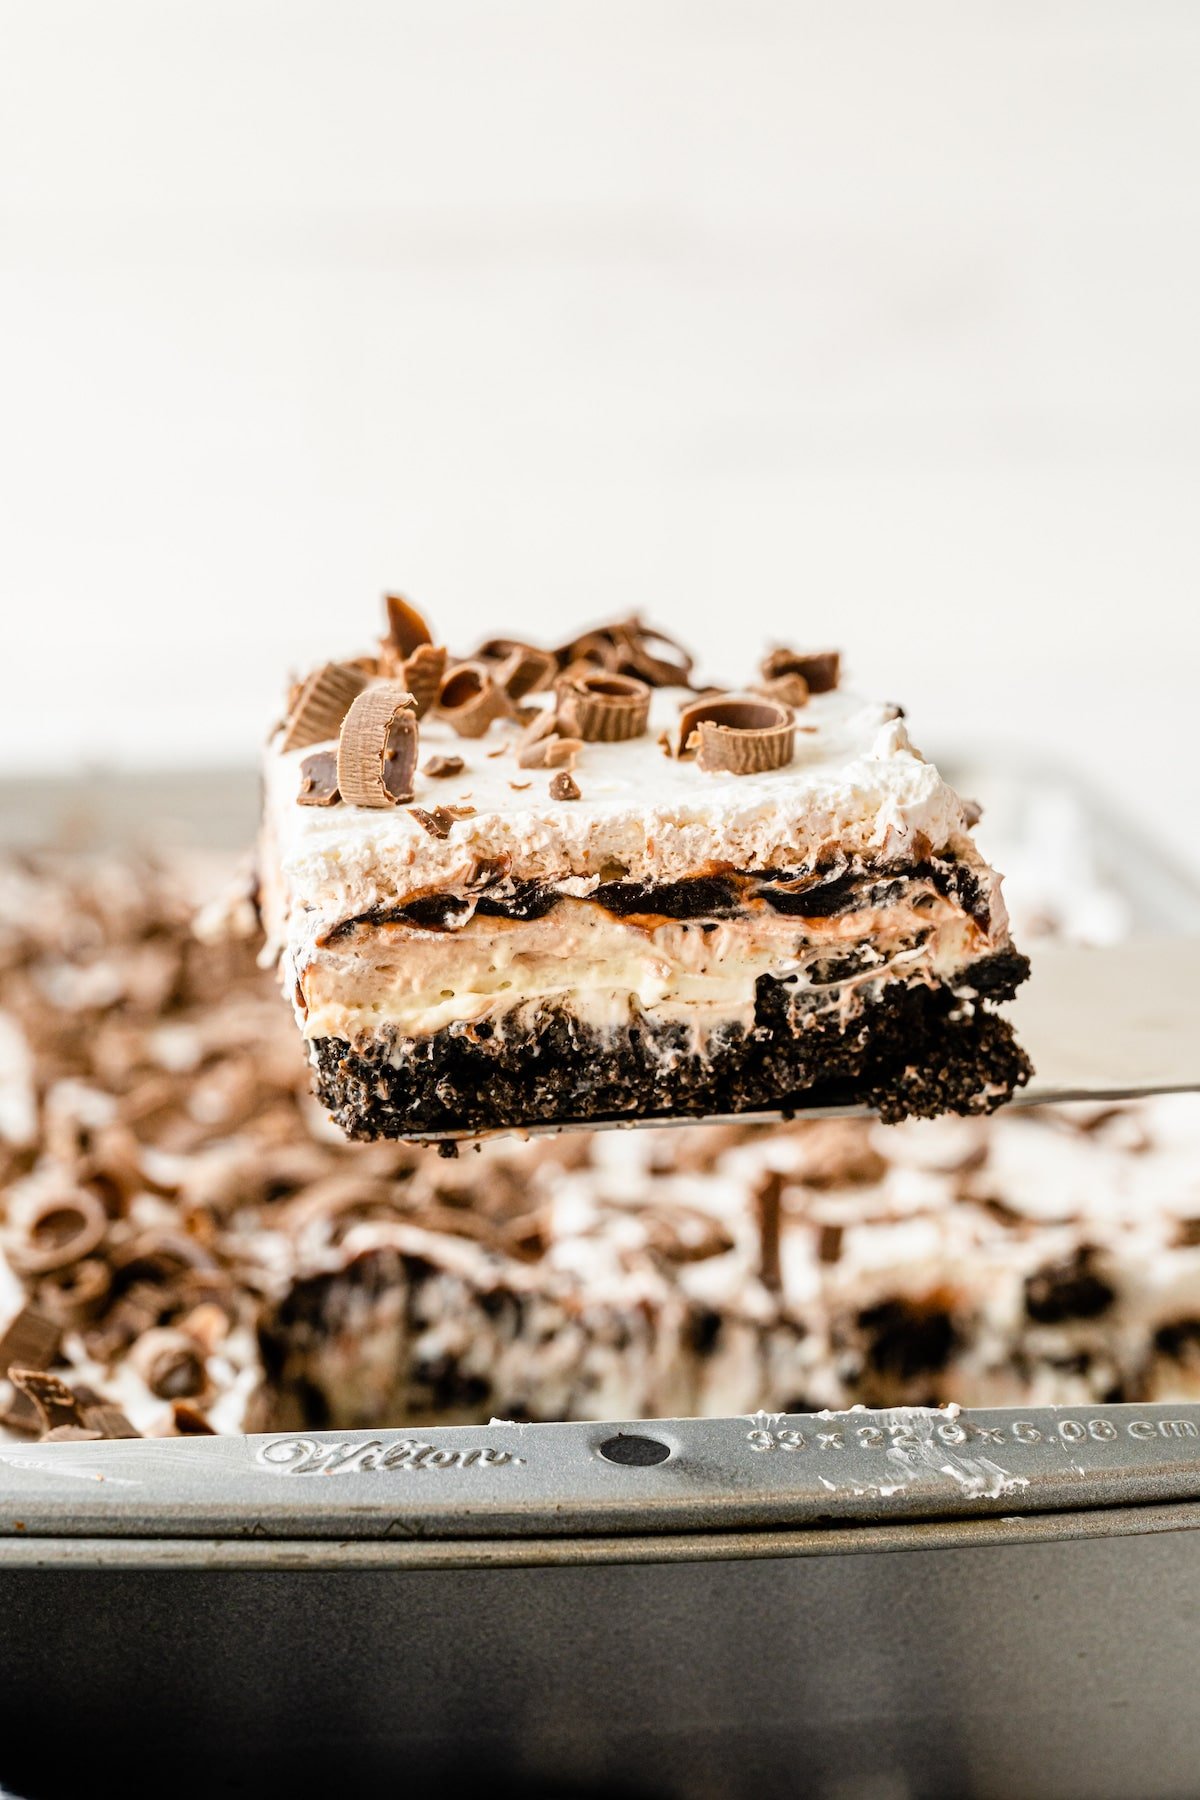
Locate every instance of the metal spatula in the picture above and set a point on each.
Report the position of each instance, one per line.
(1112, 1024)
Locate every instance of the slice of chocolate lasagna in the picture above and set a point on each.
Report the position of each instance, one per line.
(556, 886)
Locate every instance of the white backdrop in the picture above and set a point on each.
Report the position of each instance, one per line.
(868, 323)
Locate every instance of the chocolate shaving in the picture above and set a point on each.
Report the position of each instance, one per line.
(109, 1422)
(820, 670)
(519, 787)
(564, 787)
(603, 709)
(829, 1243)
(377, 751)
(319, 780)
(526, 670)
(471, 699)
(438, 767)
(768, 1208)
(792, 690)
(320, 705)
(30, 1342)
(62, 1231)
(55, 1402)
(550, 753)
(422, 673)
(737, 734)
(407, 629)
(628, 647)
(437, 823)
(189, 1421)
(170, 1364)
(74, 1296)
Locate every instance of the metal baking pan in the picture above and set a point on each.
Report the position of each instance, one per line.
(864, 1606)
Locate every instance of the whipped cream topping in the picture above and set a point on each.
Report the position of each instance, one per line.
(855, 787)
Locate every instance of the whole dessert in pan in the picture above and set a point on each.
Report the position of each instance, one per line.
(554, 886)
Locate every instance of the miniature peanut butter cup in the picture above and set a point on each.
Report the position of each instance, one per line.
(603, 709)
(737, 734)
(407, 629)
(320, 705)
(471, 698)
(319, 779)
(377, 751)
(820, 669)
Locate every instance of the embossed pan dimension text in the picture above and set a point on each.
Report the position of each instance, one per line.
(770, 1472)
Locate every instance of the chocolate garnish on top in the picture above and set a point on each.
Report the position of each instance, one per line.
(407, 628)
(819, 669)
(564, 787)
(377, 750)
(422, 673)
(736, 734)
(439, 767)
(525, 670)
(319, 780)
(603, 709)
(320, 705)
(471, 699)
(629, 647)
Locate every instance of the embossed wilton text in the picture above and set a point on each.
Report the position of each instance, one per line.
(304, 1456)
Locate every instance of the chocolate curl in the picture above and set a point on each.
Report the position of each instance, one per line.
(377, 751)
(31, 1341)
(820, 670)
(73, 1297)
(319, 780)
(321, 704)
(550, 752)
(768, 1209)
(170, 1363)
(421, 673)
(57, 1406)
(471, 699)
(407, 628)
(736, 734)
(628, 647)
(790, 690)
(62, 1231)
(439, 768)
(603, 709)
(109, 1422)
(525, 670)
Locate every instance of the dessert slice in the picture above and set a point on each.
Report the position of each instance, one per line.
(541, 887)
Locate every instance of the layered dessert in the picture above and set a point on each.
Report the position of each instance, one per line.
(553, 886)
(188, 1245)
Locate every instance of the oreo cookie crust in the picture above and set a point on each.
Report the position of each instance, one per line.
(914, 1052)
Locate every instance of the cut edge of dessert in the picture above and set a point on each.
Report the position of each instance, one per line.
(543, 887)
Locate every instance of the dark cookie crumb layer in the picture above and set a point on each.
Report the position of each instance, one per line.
(915, 1051)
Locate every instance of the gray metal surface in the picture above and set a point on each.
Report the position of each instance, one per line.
(764, 1471)
(1061, 1669)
